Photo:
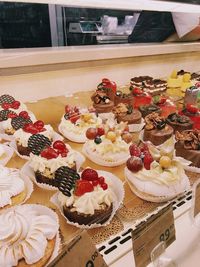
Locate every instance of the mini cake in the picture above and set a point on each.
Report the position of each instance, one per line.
(8, 102)
(179, 122)
(103, 98)
(126, 113)
(50, 160)
(148, 109)
(156, 130)
(155, 86)
(192, 95)
(27, 236)
(141, 98)
(11, 122)
(155, 174)
(193, 113)
(123, 98)
(188, 146)
(75, 123)
(22, 135)
(139, 81)
(87, 200)
(12, 187)
(108, 146)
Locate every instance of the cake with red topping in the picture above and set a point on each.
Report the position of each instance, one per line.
(87, 199)
(156, 129)
(155, 173)
(22, 135)
(76, 121)
(188, 146)
(46, 160)
(193, 113)
(140, 98)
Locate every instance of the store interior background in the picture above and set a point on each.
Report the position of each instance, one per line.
(40, 55)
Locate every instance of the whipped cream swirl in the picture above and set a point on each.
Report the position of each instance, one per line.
(23, 235)
(10, 185)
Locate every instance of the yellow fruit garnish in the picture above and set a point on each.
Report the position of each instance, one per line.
(111, 136)
(165, 162)
(87, 117)
(186, 77)
(174, 74)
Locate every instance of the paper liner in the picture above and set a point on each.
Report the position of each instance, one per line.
(8, 137)
(77, 138)
(146, 184)
(100, 161)
(192, 169)
(118, 189)
(13, 144)
(136, 127)
(43, 210)
(28, 171)
(7, 155)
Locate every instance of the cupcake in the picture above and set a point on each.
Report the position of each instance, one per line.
(156, 130)
(8, 102)
(28, 234)
(108, 146)
(125, 98)
(51, 160)
(75, 123)
(179, 122)
(11, 122)
(87, 200)
(12, 187)
(188, 146)
(156, 174)
(22, 135)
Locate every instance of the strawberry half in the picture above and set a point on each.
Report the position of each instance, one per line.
(82, 187)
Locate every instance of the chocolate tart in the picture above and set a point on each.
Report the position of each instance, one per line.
(126, 113)
(99, 216)
(104, 107)
(179, 122)
(148, 109)
(123, 98)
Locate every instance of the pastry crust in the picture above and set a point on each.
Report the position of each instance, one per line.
(42, 262)
(18, 199)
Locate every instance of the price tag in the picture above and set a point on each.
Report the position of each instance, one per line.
(80, 252)
(147, 235)
(197, 199)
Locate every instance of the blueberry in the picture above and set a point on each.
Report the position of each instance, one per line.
(97, 140)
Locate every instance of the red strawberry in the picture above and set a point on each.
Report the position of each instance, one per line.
(15, 104)
(39, 124)
(60, 145)
(74, 118)
(11, 115)
(162, 100)
(191, 108)
(24, 114)
(95, 182)
(30, 128)
(49, 153)
(41, 130)
(100, 131)
(83, 187)
(147, 160)
(6, 105)
(134, 150)
(89, 174)
(144, 148)
(137, 91)
(109, 84)
(104, 186)
(67, 109)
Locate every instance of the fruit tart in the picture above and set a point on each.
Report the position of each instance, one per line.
(179, 122)
(156, 174)
(140, 98)
(22, 135)
(75, 123)
(108, 145)
(28, 236)
(48, 162)
(90, 198)
(188, 146)
(156, 130)
(8, 102)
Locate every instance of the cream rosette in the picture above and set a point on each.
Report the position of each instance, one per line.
(24, 234)
(38, 163)
(160, 184)
(75, 132)
(92, 200)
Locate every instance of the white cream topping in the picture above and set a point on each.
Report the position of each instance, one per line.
(22, 137)
(10, 185)
(23, 235)
(89, 202)
(81, 126)
(40, 164)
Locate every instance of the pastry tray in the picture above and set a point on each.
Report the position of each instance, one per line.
(113, 240)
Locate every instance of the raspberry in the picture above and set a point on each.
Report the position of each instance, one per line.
(39, 124)
(95, 182)
(134, 150)
(6, 105)
(101, 180)
(100, 131)
(89, 175)
(83, 187)
(147, 161)
(16, 104)
(49, 153)
(104, 186)
(24, 114)
(144, 148)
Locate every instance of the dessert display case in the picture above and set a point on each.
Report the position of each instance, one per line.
(47, 80)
